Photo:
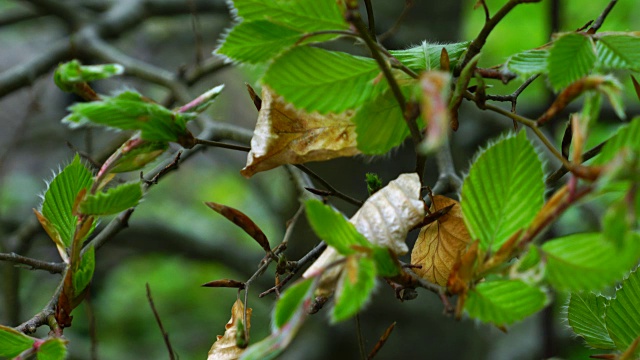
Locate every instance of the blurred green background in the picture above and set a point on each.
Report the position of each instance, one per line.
(175, 243)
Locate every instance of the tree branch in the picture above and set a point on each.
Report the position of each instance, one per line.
(600, 20)
(34, 264)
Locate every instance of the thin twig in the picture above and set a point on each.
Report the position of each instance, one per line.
(324, 183)
(371, 20)
(165, 335)
(410, 117)
(408, 4)
(478, 43)
(600, 20)
(363, 355)
(34, 264)
(556, 175)
(382, 341)
(222, 145)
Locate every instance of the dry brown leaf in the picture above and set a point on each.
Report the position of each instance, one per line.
(242, 221)
(384, 219)
(439, 244)
(285, 135)
(225, 347)
(463, 271)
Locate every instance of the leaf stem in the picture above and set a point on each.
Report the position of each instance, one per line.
(222, 145)
(600, 20)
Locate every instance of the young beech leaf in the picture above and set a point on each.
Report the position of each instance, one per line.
(619, 51)
(426, 57)
(625, 138)
(61, 195)
(503, 302)
(52, 349)
(135, 153)
(225, 347)
(113, 201)
(302, 15)
(257, 41)
(326, 81)
(354, 287)
(131, 111)
(435, 86)
(585, 315)
(588, 261)
(242, 221)
(83, 275)
(571, 57)
(503, 191)
(333, 228)
(73, 72)
(384, 219)
(623, 312)
(288, 315)
(13, 342)
(528, 63)
(440, 243)
(285, 135)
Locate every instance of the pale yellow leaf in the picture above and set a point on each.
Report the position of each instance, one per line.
(435, 87)
(384, 219)
(440, 243)
(225, 347)
(286, 135)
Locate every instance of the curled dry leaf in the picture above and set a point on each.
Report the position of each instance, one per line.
(286, 135)
(242, 221)
(440, 243)
(225, 347)
(384, 219)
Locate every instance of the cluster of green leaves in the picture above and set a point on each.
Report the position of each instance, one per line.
(333, 81)
(14, 343)
(572, 56)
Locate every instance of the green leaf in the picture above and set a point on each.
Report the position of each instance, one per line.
(333, 228)
(13, 342)
(627, 137)
(528, 63)
(52, 349)
(325, 81)
(135, 154)
(619, 52)
(290, 302)
(380, 125)
(622, 316)
(289, 314)
(587, 261)
(83, 275)
(530, 259)
(354, 287)
(503, 191)
(132, 111)
(113, 201)
(73, 72)
(585, 314)
(257, 41)
(616, 222)
(302, 15)
(425, 56)
(387, 265)
(571, 57)
(503, 302)
(61, 196)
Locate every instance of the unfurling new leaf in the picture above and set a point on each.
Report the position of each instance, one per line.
(113, 201)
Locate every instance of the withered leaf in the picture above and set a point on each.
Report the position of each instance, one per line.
(440, 243)
(286, 135)
(636, 86)
(225, 283)
(463, 271)
(384, 219)
(225, 347)
(242, 221)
